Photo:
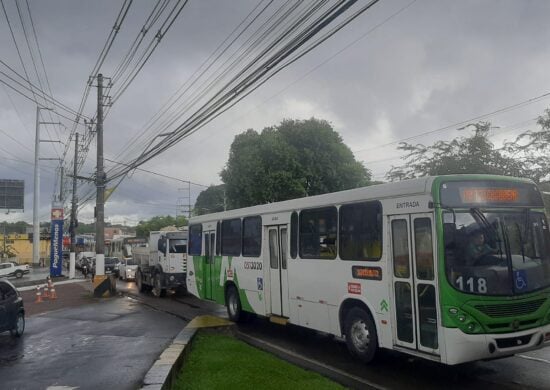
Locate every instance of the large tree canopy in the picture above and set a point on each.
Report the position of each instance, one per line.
(156, 223)
(210, 200)
(291, 160)
(472, 154)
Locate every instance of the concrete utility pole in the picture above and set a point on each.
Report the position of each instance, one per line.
(61, 171)
(36, 197)
(100, 185)
(72, 227)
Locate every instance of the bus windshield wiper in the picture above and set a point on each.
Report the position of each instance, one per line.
(482, 220)
(504, 230)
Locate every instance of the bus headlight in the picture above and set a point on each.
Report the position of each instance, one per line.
(463, 321)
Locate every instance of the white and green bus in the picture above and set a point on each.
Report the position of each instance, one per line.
(449, 268)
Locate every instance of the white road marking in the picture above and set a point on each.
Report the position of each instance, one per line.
(61, 388)
(534, 358)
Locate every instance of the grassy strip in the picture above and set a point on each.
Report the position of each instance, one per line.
(222, 362)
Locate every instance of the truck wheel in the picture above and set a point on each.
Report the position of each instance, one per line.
(18, 274)
(158, 291)
(361, 337)
(233, 303)
(19, 325)
(139, 281)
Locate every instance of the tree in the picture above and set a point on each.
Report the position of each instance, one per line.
(210, 200)
(291, 160)
(156, 223)
(473, 154)
(533, 149)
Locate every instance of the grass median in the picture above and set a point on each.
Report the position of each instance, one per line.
(218, 361)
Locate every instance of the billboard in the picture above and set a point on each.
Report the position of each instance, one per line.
(12, 194)
(56, 252)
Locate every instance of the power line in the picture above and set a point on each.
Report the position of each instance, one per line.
(256, 72)
(461, 123)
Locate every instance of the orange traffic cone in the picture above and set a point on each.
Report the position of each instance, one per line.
(38, 295)
(53, 294)
(46, 292)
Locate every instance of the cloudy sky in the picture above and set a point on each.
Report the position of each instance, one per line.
(401, 69)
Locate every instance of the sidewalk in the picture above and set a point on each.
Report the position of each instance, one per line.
(37, 275)
(68, 295)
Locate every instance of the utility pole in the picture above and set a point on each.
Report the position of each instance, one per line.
(61, 170)
(100, 185)
(36, 196)
(73, 225)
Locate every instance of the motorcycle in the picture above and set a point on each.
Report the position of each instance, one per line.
(85, 270)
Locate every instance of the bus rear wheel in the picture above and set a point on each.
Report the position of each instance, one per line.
(361, 337)
(233, 302)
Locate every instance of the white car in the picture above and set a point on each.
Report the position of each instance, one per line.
(127, 269)
(12, 269)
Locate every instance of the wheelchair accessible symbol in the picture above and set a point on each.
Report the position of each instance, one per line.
(520, 279)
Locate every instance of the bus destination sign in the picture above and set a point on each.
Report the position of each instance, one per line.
(489, 195)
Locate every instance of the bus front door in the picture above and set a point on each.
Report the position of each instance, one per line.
(209, 273)
(414, 283)
(278, 272)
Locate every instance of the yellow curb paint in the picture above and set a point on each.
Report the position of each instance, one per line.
(208, 322)
(278, 320)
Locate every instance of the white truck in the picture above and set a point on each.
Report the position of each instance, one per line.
(12, 269)
(163, 264)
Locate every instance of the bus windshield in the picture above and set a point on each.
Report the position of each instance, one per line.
(497, 252)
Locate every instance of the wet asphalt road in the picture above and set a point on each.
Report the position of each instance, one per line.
(106, 345)
(112, 344)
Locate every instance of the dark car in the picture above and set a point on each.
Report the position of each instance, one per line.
(111, 266)
(12, 312)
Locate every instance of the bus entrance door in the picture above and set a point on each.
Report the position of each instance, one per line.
(209, 273)
(414, 283)
(278, 273)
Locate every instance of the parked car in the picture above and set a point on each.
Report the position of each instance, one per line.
(12, 269)
(127, 269)
(12, 311)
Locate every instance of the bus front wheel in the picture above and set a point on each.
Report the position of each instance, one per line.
(361, 337)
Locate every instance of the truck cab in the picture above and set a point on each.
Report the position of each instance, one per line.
(163, 264)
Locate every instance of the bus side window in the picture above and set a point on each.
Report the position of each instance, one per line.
(361, 231)
(318, 231)
(231, 237)
(252, 236)
(218, 238)
(294, 234)
(195, 240)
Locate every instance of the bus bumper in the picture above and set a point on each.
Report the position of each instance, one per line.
(461, 347)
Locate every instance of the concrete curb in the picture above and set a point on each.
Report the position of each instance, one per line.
(166, 368)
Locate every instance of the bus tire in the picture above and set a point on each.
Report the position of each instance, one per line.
(233, 303)
(361, 336)
(139, 281)
(157, 290)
